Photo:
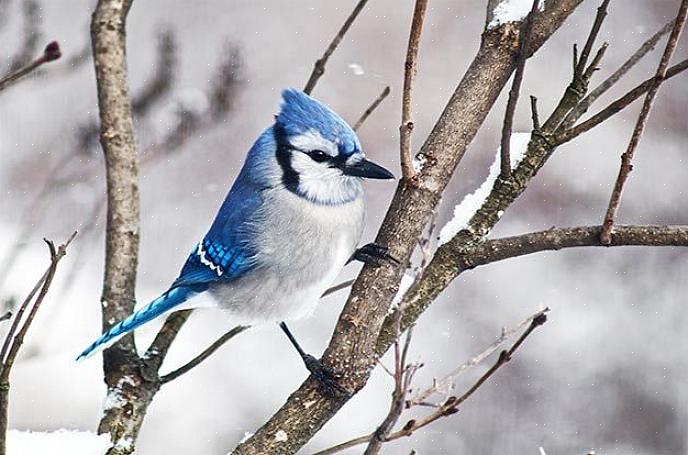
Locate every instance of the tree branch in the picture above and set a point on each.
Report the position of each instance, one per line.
(592, 36)
(203, 355)
(410, 69)
(372, 107)
(608, 83)
(319, 67)
(108, 36)
(13, 342)
(352, 348)
(50, 54)
(451, 405)
(505, 161)
(627, 157)
(615, 107)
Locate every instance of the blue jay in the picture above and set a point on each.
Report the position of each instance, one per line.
(290, 222)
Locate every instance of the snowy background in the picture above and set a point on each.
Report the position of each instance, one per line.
(607, 372)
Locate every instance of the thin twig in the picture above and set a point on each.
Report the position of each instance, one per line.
(534, 113)
(597, 24)
(410, 68)
(608, 83)
(505, 162)
(381, 97)
(319, 67)
(448, 381)
(450, 406)
(581, 75)
(203, 355)
(13, 342)
(337, 287)
(50, 53)
(627, 157)
(6, 316)
(616, 106)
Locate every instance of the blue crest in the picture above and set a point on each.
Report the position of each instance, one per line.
(301, 113)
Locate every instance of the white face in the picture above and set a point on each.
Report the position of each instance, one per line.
(319, 179)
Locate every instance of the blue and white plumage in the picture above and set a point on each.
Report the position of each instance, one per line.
(290, 222)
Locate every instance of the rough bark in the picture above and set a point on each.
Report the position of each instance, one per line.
(120, 363)
(352, 348)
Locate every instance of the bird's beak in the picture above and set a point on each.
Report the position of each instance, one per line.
(367, 169)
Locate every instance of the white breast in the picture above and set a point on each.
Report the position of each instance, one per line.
(302, 248)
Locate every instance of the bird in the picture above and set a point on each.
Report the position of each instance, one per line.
(291, 221)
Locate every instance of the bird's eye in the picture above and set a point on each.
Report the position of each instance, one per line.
(318, 155)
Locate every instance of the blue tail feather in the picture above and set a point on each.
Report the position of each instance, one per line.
(156, 308)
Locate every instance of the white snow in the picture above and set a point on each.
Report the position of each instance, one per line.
(281, 436)
(470, 204)
(512, 11)
(406, 282)
(247, 434)
(60, 442)
(418, 162)
(357, 69)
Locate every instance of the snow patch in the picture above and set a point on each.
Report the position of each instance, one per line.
(114, 398)
(418, 162)
(60, 442)
(406, 282)
(512, 11)
(281, 436)
(470, 204)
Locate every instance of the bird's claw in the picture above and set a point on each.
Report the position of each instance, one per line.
(325, 376)
(374, 254)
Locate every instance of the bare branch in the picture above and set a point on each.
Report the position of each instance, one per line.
(13, 342)
(122, 375)
(594, 31)
(608, 83)
(50, 53)
(410, 68)
(381, 97)
(319, 67)
(627, 157)
(447, 382)
(578, 87)
(451, 405)
(338, 287)
(616, 106)
(203, 355)
(5, 317)
(534, 113)
(352, 349)
(505, 162)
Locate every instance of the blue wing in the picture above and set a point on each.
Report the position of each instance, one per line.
(225, 253)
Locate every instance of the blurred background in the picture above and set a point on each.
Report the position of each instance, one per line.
(606, 373)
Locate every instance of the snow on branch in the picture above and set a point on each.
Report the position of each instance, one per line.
(511, 11)
(471, 203)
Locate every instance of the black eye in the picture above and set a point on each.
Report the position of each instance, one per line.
(318, 155)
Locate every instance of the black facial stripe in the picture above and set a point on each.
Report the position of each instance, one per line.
(290, 178)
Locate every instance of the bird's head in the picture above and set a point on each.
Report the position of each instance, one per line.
(319, 153)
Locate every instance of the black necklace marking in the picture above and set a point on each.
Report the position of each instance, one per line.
(290, 178)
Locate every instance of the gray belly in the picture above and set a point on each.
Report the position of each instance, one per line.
(302, 247)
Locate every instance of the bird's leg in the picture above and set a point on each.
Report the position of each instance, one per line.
(325, 376)
(374, 254)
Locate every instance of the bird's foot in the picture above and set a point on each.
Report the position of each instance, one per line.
(325, 376)
(374, 254)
